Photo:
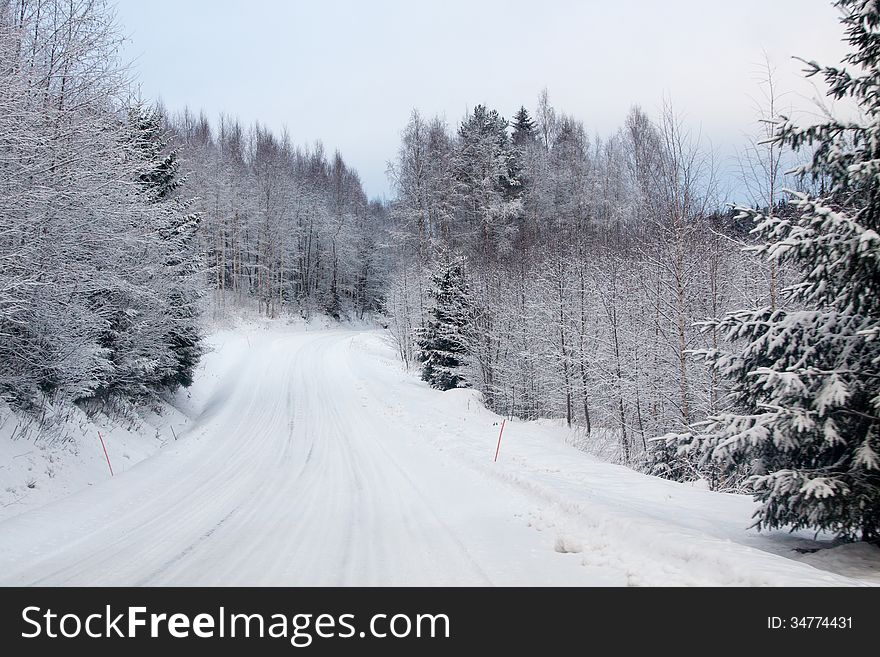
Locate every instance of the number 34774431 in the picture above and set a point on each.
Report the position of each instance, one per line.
(809, 623)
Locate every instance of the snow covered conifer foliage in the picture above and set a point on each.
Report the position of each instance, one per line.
(443, 341)
(160, 179)
(485, 167)
(806, 379)
(523, 127)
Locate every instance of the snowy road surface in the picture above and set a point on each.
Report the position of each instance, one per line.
(314, 459)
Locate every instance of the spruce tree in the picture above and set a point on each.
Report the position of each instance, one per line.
(162, 176)
(443, 341)
(160, 180)
(523, 128)
(486, 162)
(805, 379)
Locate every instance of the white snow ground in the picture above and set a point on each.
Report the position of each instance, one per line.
(312, 458)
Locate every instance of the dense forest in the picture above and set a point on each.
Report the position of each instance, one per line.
(579, 265)
(603, 280)
(283, 227)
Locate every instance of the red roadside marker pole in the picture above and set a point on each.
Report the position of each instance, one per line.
(105, 453)
(498, 448)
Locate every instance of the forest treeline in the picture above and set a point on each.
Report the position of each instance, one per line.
(283, 227)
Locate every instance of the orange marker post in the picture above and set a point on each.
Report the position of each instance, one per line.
(498, 448)
(105, 453)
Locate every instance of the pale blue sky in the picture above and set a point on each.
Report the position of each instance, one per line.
(349, 73)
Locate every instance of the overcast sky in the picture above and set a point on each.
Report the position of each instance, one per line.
(349, 72)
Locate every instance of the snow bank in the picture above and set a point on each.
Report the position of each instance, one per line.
(41, 465)
(857, 560)
(38, 466)
(657, 531)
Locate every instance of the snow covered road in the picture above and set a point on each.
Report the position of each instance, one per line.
(313, 459)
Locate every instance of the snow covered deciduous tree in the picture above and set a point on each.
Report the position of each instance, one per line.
(91, 245)
(443, 341)
(806, 377)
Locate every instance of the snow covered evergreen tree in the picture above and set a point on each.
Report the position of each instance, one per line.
(160, 179)
(806, 379)
(162, 176)
(524, 128)
(443, 341)
(487, 189)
